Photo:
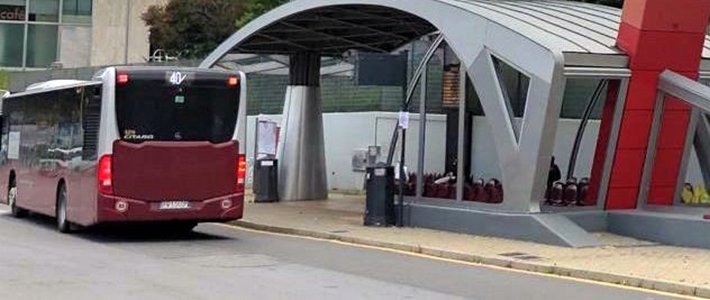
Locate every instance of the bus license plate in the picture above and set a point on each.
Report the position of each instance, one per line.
(175, 205)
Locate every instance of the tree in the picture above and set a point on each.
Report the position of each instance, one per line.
(256, 8)
(192, 28)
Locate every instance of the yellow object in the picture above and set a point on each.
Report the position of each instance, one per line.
(701, 195)
(687, 194)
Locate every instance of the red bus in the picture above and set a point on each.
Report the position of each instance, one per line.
(135, 144)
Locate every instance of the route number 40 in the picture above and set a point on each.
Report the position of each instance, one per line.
(177, 78)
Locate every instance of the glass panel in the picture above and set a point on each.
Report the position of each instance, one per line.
(514, 87)
(197, 110)
(387, 125)
(49, 126)
(44, 10)
(483, 173)
(441, 128)
(76, 11)
(12, 10)
(577, 143)
(697, 169)
(41, 46)
(75, 46)
(12, 36)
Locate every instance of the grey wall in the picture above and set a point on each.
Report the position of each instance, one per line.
(111, 21)
(346, 132)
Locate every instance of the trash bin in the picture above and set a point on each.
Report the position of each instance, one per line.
(266, 180)
(379, 206)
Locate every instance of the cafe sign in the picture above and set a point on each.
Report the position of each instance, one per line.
(12, 13)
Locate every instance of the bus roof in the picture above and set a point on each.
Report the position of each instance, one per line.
(53, 85)
(171, 68)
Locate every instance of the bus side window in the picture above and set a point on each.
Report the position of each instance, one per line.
(91, 116)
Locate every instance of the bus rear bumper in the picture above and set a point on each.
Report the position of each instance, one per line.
(113, 209)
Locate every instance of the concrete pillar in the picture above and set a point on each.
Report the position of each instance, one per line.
(657, 35)
(301, 152)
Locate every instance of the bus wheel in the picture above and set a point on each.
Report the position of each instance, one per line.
(12, 201)
(62, 224)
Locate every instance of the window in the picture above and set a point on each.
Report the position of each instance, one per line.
(30, 32)
(148, 109)
(91, 119)
(12, 10)
(13, 2)
(44, 10)
(11, 47)
(76, 11)
(41, 45)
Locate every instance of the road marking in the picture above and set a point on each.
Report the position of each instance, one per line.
(420, 255)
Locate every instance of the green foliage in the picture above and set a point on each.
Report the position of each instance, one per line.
(255, 8)
(4, 79)
(192, 28)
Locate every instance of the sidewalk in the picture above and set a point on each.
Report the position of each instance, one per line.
(621, 261)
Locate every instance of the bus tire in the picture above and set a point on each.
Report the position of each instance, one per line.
(63, 224)
(16, 211)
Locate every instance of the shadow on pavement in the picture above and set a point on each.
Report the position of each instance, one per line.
(138, 233)
(122, 233)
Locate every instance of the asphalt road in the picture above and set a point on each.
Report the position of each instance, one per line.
(218, 262)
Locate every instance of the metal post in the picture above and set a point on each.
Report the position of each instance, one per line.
(463, 118)
(400, 218)
(642, 201)
(583, 125)
(422, 134)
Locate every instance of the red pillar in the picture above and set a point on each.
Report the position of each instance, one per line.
(657, 35)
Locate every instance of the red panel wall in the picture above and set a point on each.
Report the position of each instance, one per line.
(657, 35)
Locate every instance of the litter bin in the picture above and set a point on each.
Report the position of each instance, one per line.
(266, 180)
(379, 206)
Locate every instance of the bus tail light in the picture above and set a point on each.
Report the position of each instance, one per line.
(241, 173)
(122, 78)
(105, 175)
(233, 81)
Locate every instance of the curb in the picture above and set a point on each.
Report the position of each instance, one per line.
(637, 282)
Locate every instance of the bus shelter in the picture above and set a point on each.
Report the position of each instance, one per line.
(530, 80)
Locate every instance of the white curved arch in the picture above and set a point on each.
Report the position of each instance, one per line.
(467, 29)
(475, 36)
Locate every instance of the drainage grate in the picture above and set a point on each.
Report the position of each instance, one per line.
(528, 257)
(520, 255)
(339, 231)
(512, 254)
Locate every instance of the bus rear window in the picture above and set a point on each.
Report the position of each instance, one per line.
(154, 110)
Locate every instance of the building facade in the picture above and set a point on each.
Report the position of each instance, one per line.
(35, 34)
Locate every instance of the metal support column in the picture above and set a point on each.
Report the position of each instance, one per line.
(422, 134)
(463, 119)
(301, 153)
